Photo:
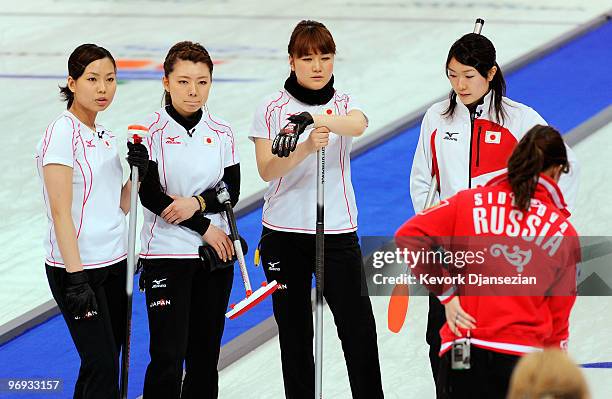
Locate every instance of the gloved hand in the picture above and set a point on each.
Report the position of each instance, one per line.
(210, 258)
(79, 297)
(286, 140)
(138, 156)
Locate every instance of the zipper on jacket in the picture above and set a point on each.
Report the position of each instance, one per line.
(472, 117)
(478, 147)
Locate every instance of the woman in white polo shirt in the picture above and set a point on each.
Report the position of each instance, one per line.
(191, 151)
(288, 237)
(86, 204)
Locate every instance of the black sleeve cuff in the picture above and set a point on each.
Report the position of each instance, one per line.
(156, 200)
(231, 177)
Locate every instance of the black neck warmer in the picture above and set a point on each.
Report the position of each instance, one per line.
(308, 96)
(188, 123)
(472, 107)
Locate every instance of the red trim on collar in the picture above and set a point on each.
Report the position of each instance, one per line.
(554, 192)
(544, 183)
(497, 179)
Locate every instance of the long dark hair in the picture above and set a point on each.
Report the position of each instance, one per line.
(186, 51)
(82, 56)
(478, 52)
(310, 36)
(541, 148)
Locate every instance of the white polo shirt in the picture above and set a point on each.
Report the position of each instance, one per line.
(187, 166)
(290, 202)
(96, 190)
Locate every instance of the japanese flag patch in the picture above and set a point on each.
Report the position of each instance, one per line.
(492, 137)
(209, 140)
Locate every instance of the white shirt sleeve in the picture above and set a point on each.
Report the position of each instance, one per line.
(352, 104)
(265, 123)
(420, 175)
(153, 139)
(230, 148)
(59, 147)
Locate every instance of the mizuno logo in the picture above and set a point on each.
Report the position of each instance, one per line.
(173, 140)
(158, 283)
(90, 143)
(449, 136)
(272, 267)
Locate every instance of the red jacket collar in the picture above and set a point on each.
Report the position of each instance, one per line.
(546, 187)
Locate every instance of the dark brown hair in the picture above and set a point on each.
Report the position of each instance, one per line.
(80, 58)
(478, 52)
(310, 36)
(186, 51)
(541, 148)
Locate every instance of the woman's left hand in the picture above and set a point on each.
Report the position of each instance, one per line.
(457, 317)
(181, 209)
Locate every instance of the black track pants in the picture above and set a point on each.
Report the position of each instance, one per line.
(99, 340)
(186, 307)
(488, 377)
(289, 258)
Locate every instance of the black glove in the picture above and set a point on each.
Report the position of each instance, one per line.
(138, 156)
(79, 297)
(211, 261)
(286, 140)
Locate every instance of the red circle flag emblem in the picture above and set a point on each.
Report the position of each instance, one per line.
(329, 111)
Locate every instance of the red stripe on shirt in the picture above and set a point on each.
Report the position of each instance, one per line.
(270, 199)
(434, 159)
(80, 136)
(348, 229)
(229, 133)
(269, 112)
(83, 200)
(157, 121)
(342, 157)
(167, 255)
(90, 264)
(151, 232)
(218, 133)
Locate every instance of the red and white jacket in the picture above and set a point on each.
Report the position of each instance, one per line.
(528, 320)
(463, 156)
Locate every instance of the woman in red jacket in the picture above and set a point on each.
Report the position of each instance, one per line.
(514, 294)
